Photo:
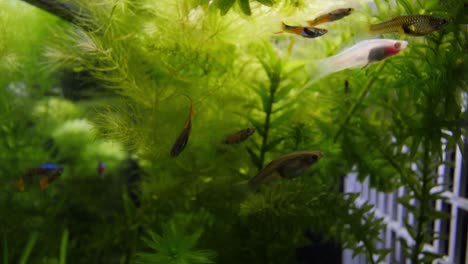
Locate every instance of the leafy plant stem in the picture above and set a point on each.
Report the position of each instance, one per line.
(266, 127)
(369, 252)
(5, 250)
(419, 238)
(360, 98)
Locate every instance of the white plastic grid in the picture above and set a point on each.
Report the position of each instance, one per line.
(387, 207)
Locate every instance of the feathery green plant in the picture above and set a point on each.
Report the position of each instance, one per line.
(405, 125)
(147, 54)
(275, 106)
(175, 244)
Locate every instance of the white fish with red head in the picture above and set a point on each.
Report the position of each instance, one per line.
(361, 54)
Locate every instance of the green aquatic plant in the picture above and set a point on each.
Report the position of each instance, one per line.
(130, 63)
(405, 126)
(282, 213)
(28, 248)
(63, 247)
(175, 245)
(275, 105)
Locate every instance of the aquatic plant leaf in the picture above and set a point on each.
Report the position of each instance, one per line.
(269, 3)
(283, 91)
(63, 247)
(273, 143)
(283, 117)
(407, 6)
(429, 256)
(283, 105)
(5, 250)
(254, 157)
(224, 5)
(262, 91)
(245, 6)
(258, 126)
(28, 248)
(175, 245)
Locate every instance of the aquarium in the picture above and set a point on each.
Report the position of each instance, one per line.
(233, 131)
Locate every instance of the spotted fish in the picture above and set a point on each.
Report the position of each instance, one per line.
(414, 25)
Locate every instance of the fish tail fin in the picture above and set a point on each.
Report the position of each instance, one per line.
(317, 70)
(382, 28)
(320, 68)
(255, 182)
(312, 22)
(44, 183)
(319, 20)
(283, 28)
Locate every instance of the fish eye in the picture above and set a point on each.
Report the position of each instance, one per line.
(397, 45)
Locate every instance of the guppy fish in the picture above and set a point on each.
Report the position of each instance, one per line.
(183, 138)
(288, 166)
(50, 171)
(239, 136)
(414, 25)
(331, 16)
(361, 54)
(306, 32)
(101, 168)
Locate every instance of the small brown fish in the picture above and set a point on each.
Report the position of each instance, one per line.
(331, 16)
(288, 166)
(183, 138)
(239, 136)
(306, 32)
(415, 25)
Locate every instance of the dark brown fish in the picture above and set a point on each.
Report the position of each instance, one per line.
(288, 166)
(415, 25)
(183, 138)
(331, 16)
(239, 136)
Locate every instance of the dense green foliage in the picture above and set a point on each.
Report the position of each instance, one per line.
(110, 87)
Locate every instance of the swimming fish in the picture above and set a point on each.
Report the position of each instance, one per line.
(50, 171)
(101, 168)
(306, 32)
(52, 176)
(360, 55)
(414, 25)
(239, 136)
(183, 138)
(288, 166)
(331, 16)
